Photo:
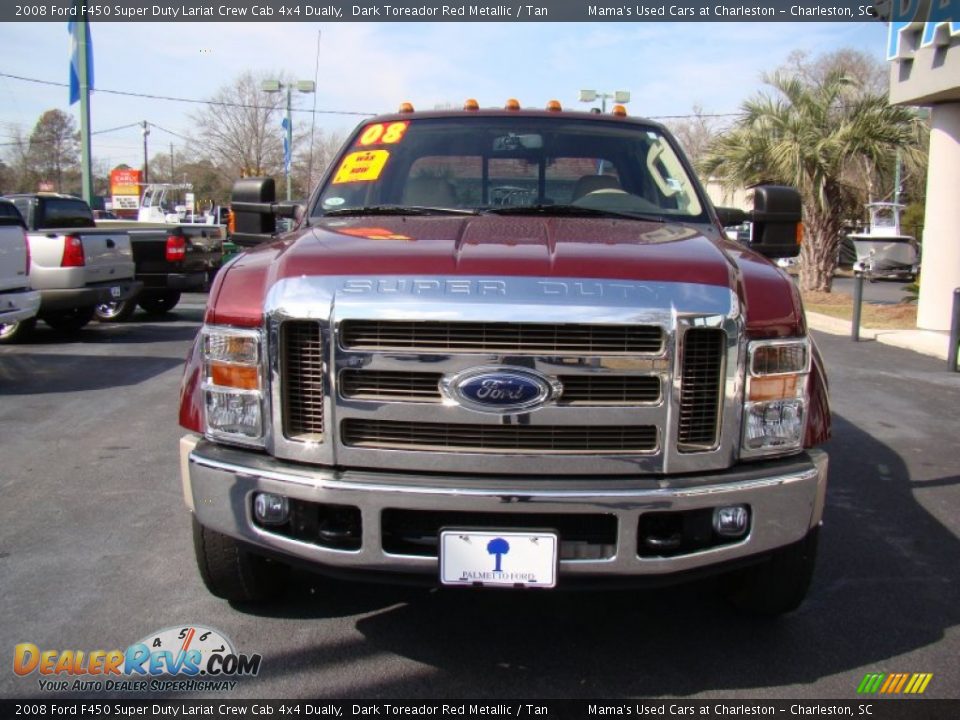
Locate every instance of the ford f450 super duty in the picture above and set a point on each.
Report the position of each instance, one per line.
(507, 348)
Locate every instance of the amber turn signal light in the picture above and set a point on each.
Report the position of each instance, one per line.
(242, 377)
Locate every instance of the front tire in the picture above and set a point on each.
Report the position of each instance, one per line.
(230, 571)
(779, 584)
(115, 311)
(16, 331)
(159, 303)
(70, 320)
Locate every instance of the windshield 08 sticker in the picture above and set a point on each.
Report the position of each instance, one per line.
(362, 166)
(383, 134)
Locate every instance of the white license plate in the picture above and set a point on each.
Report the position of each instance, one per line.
(482, 557)
(115, 292)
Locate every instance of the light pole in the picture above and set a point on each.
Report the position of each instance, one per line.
(621, 97)
(304, 86)
(145, 129)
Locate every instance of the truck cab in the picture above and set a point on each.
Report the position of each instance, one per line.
(509, 348)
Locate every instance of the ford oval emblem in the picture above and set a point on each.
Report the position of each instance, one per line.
(500, 390)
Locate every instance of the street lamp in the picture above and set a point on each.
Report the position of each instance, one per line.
(620, 96)
(304, 86)
(145, 129)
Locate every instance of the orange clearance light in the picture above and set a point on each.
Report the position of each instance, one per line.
(799, 233)
(471, 104)
(554, 106)
(406, 107)
(236, 376)
(512, 104)
(776, 387)
(619, 111)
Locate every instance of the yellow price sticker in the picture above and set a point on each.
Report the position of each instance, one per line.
(362, 166)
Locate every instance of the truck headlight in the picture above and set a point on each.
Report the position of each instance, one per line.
(775, 404)
(233, 385)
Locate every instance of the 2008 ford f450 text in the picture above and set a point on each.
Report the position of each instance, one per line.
(507, 348)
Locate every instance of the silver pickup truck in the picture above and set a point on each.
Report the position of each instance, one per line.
(18, 303)
(73, 264)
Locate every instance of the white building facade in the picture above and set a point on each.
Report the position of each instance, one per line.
(924, 54)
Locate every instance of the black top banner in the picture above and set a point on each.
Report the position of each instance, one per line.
(442, 11)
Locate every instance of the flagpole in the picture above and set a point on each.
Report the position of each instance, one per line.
(83, 71)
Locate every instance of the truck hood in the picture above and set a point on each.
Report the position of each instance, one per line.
(498, 246)
(491, 245)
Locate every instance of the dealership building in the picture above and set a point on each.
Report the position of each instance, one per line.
(925, 71)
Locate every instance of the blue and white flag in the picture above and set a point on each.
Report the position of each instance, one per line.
(75, 29)
(285, 124)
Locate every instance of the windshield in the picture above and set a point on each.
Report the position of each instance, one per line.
(503, 164)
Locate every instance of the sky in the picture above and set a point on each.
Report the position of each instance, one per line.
(371, 67)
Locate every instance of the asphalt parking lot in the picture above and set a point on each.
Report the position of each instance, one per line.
(96, 553)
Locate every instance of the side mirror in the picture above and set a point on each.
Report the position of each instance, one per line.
(255, 211)
(776, 221)
(252, 202)
(731, 216)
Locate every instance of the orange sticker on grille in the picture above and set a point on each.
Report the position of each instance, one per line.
(363, 166)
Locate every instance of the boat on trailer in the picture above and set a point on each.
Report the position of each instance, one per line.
(884, 251)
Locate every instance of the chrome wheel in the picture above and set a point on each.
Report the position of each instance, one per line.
(115, 311)
(11, 332)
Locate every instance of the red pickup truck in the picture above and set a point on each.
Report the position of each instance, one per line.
(507, 348)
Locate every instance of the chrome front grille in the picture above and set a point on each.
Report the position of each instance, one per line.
(643, 382)
(302, 353)
(501, 337)
(384, 385)
(701, 382)
(613, 390)
(509, 439)
(585, 390)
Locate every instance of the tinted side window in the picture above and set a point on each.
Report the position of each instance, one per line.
(23, 205)
(9, 215)
(65, 213)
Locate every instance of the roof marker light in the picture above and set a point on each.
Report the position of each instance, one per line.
(406, 107)
(512, 104)
(471, 104)
(619, 111)
(554, 106)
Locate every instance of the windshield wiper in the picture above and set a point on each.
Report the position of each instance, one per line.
(398, 210)
(572, 211)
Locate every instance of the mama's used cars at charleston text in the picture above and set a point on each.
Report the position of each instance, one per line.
(507, 348)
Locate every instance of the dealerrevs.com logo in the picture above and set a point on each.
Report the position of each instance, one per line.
(176, 659)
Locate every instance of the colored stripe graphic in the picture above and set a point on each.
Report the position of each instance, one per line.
(919, 683)
(894, 683)
(870, 683)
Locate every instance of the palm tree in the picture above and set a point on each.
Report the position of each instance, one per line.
(818, 136)
(498, 547)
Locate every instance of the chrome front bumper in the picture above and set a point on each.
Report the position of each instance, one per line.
(786, 499)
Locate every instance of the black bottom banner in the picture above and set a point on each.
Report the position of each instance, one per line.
(866, 708)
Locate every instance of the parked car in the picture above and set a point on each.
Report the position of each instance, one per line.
(18, 302)
(73, 264)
